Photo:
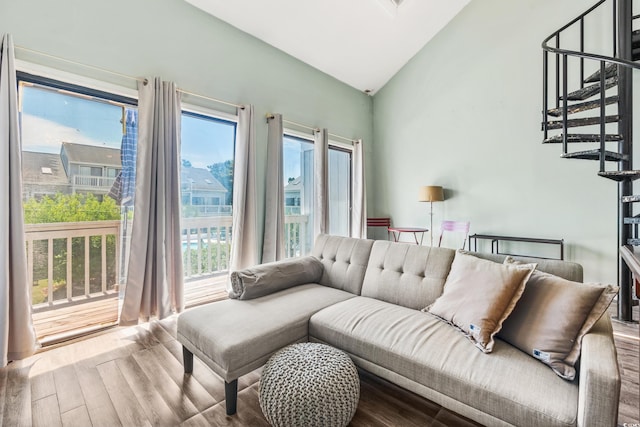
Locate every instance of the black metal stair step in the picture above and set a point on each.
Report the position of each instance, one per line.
(633, 242)
(587, 121)
(582, 106)
(635, 38)
(632, 220)
(589, 91)
(610, 156)
(631, 199)
(631, 175)
(610, 70)
(581, 137)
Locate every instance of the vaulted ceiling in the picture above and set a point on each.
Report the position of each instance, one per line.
(362, 43)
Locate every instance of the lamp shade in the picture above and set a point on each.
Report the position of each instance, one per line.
(431, 193)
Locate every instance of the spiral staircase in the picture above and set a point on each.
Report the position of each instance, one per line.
(588, 103)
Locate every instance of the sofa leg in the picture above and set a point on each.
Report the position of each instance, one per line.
(187, 359)
(231, 396)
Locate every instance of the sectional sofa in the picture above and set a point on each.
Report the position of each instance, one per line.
(380, 302)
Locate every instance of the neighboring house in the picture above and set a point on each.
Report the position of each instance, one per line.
(81, 168)
(43, 175)
(293, 196)
(90, 168)
(199, 188)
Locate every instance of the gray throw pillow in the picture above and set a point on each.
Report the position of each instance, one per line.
(552, 316)
(268, 278)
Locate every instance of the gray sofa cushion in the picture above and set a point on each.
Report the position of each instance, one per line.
(565, 269)
(344, 259)
(265, 279)
(408, 275)
(427, 351)
(235, 337)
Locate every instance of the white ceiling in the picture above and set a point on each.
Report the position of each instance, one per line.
(362, 43)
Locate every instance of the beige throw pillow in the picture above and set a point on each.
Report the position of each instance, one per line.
(479, 295)
(552, 316)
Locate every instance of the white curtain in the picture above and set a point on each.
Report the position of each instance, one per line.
(244, 251)
(273, 245)
(321, 182)
(154, 282)
(359, 209)
(17, 337)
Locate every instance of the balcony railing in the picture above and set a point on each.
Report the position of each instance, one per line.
(207, 210)
(86, 182)
(296, 239)
(79, 261)
(59, 244)
(206, 243)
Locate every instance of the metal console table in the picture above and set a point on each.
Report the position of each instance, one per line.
(495, 243)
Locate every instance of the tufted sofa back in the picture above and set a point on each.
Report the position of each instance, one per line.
(565, 269)
(344, 259)
(405, 274)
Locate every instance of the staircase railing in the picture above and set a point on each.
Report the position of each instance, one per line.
(612, 68)
(562, 72)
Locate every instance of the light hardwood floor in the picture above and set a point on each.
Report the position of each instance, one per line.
(134, 377)
(627, 338)
(61, 321)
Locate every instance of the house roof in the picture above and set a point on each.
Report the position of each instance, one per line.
(43, 168)
(200, 179)
(294, 185)
(92, 154)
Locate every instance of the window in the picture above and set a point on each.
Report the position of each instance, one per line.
(70, 134)
(339, 191)
(298, 154)
(207, 153)
(298, 195)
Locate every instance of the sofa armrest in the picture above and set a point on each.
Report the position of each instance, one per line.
(268, 278)
(599, 387)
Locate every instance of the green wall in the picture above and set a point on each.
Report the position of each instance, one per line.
(464, 113)
(173, 40)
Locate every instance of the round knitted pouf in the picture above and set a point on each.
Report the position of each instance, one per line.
(309, 384)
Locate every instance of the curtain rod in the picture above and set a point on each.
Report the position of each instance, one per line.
(219, 101)
(126, 76)
(355, 141)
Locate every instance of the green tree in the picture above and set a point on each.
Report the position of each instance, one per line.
(71, 208)
(223, 172)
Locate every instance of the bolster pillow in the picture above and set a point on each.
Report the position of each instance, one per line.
(268, 278)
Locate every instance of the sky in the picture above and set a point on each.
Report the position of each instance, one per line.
(292, 153)
(50, 117)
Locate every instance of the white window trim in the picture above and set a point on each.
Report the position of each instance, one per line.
(95, 84)
(75, 79)
(297, 134)
(303, 135)
(209, 112)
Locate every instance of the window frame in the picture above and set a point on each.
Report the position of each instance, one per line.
(48, 79)
(333, 145)
(344, 148)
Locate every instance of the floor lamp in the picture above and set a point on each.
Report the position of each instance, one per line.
(431, 193)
